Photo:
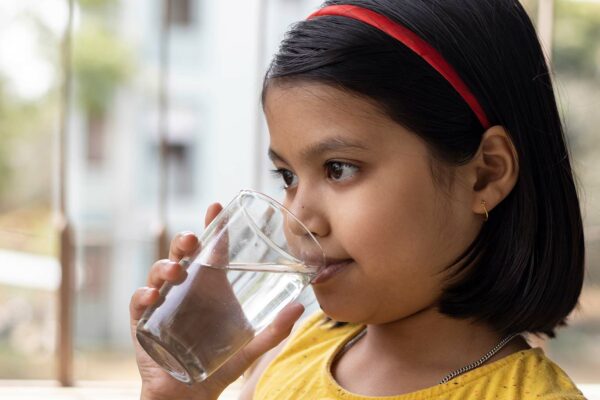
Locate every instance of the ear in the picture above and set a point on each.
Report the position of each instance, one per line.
(494, 169)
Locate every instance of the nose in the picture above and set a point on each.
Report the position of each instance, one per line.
(310, 211)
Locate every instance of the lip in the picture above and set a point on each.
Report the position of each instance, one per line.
(332, 268)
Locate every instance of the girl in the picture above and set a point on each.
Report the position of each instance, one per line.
(420, 142)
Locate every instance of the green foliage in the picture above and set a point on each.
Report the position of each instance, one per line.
(577, 38)
(14, 118)
(101, 62)
(96, 4)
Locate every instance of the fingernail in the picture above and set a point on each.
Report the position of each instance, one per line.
(187, 234)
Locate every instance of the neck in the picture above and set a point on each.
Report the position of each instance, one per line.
(434, 342)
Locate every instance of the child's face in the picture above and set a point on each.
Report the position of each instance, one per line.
(374, 202)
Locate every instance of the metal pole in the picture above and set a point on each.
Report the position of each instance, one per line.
(63, 226)
(162, 240)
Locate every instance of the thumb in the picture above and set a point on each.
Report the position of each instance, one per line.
(279, 329)
(269, 338)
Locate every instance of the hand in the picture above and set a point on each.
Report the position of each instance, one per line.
(158, 384)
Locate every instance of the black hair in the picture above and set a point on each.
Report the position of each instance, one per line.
(524, 271)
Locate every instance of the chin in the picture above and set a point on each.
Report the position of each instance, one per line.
(340, 312)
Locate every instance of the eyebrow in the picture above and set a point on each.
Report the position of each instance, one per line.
(327, 145)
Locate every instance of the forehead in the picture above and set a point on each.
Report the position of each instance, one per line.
(309, 116)
(307, 105)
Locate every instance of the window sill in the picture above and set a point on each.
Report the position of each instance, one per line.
(107, 390)
(87, 390)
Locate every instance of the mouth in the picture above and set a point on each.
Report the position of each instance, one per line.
(332, 268)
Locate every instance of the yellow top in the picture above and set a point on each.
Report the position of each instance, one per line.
(302, 371)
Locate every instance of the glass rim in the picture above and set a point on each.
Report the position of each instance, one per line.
(277, 204)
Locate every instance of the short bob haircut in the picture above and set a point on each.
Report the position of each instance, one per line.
(524, 271)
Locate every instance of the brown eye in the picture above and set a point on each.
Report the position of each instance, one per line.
(340, 171)
(289, 178)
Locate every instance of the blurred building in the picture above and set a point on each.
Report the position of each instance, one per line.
(217, 55)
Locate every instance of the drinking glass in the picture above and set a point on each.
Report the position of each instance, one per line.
(255, 258)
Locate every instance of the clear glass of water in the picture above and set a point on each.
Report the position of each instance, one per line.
(255, 258)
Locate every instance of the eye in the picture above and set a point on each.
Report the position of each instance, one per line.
(340, 171)
(289, 178)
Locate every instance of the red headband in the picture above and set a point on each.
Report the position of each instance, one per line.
(413, 42)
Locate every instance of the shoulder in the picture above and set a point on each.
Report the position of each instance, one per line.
(549, 380)
(527, 374)
(313, 326)
(298, 370)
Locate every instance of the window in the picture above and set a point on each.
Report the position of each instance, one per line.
(181, 12)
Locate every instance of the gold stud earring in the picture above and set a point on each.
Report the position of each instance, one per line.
(487, 216)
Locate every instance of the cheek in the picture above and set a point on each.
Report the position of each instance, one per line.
(390, 228)
(396, 222)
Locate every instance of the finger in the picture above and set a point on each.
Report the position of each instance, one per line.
(141, 299)
(274, 334)
(219, 240)
(166, 271)
(211, 212)
(184, 243)
(219, 245)
(278, 330)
